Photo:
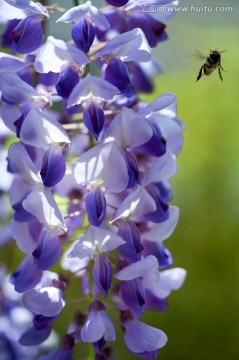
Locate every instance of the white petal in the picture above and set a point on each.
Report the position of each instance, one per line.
(75, 265)
(96, 240)
(92, 87)
(55, 53)
(46, 301)
(85, 10)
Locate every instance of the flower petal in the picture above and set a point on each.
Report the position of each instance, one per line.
(140, 337)
(95, 167)
(94, 241)
(56, 53)
(46, 301)
(138, 269)
(163, 230)
(129, 46)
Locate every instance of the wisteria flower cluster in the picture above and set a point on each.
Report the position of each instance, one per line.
(87, 173)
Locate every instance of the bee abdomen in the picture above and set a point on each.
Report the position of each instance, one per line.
(208, 69)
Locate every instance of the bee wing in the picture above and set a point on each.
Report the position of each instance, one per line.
(199, 55)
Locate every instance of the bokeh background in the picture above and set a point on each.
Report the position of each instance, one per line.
(202, 321)
(203, 317)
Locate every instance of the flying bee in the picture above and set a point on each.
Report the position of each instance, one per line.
(212, 62)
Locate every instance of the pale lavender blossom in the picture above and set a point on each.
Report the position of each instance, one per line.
(87, 174)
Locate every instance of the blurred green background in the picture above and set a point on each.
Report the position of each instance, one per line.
(202, 321)
(203, 317)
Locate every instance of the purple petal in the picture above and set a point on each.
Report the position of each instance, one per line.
(158, 249)
(154, 303)
(164, 104)
(162, 231)
(26, 276)
(131, 250)
(117, 21)
(156, 146)
(42, 205)
(48, 250)
(41, 322)
(83, 35)
(53, 166)
(133, 295)
(40, 129)
(130, 46)
(172, 130)
(117, 74)
(140, 337)
(95, 205)
(161, 213)
(102, 274)
(15, 90)
(6, 34)
(22, 235)
(34, 337)
(11, 63)
(128, 129)
(137, 203)
(98, 325)
(27, 35)
(132, 167)
(21, 164)
(144, 73)
(152, 28)
(138, 269)
(46, 301)
(21, 214)
(94, 118)
(66, 81)
(162, 169)
(117, 3)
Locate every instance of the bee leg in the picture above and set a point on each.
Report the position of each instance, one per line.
(219, 72)
(220, 65)
(200, 73)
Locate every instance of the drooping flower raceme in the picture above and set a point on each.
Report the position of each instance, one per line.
(87, 174)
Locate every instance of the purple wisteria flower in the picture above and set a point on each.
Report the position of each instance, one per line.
(86, 166)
